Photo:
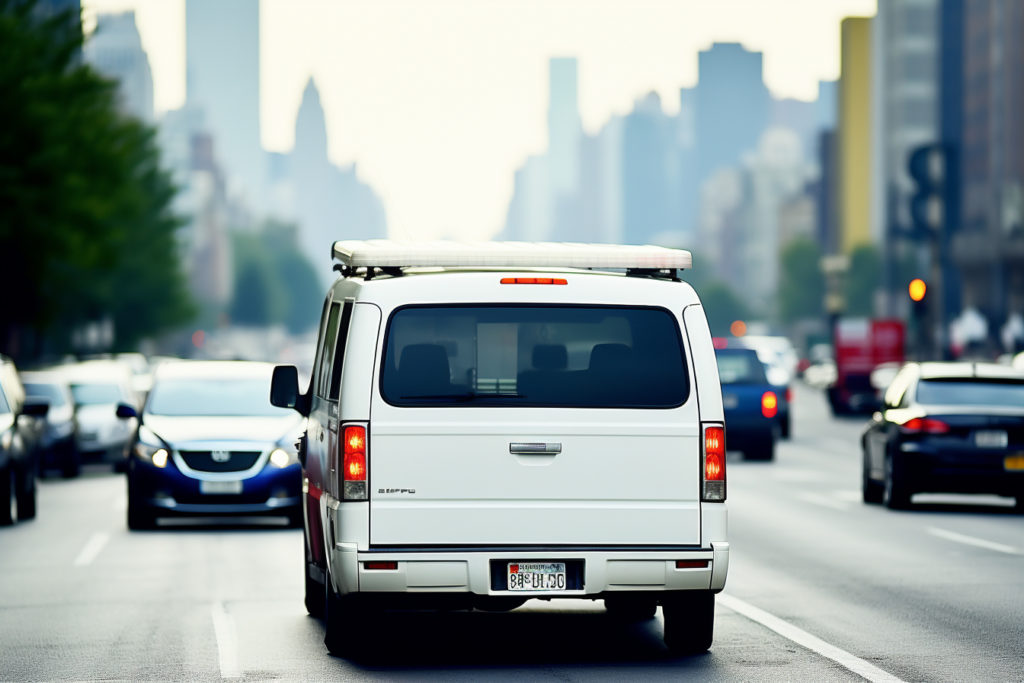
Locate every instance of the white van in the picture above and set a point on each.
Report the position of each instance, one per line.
(494, 422)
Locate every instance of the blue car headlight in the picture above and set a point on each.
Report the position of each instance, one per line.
(151, 448)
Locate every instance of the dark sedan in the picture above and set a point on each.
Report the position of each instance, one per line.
(750, 401)
(947, 428)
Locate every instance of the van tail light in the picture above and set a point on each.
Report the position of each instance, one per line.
(924, 425)
(769, 404)
(713, 476)
(353, 462)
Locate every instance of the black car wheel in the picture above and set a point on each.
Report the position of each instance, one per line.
(872, 491)
(764, 451)
(896, 493)
(26, 497)
(689, 621)
(71, 465)
(8, 496)
(140, 517)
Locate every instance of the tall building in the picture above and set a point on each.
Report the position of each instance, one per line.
(854, 134)
(989, 246)
(648, 173)
(115, 50)
(222, 62)
(564, 127)
(732, 106)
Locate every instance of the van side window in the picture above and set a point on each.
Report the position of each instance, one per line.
(339, 350)
(327, 351)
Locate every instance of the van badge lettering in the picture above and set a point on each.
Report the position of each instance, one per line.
(220, 456)
(411, 492)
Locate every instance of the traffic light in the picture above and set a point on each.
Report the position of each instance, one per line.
(927, 168)
(918, 291)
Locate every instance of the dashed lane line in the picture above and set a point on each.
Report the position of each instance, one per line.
(227, 641)
(804, 639)
(971, 540)
(92, 549)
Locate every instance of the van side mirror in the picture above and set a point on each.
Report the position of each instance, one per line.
(125, 411)
(284, 390)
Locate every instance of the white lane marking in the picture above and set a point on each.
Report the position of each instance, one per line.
(971, 540)
(823, 501)
(92, 548)
(804, 639)
(227, 641)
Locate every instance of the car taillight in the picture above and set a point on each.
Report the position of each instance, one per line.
(353, 462)
(713, 484)
(925, 425)
(769, 404)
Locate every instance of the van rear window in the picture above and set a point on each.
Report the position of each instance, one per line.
(539, 356)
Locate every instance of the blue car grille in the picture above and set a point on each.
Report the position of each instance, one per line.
(220, 461)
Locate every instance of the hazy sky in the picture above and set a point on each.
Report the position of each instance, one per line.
(439, 101)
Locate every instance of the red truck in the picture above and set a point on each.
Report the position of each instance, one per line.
(861, 345)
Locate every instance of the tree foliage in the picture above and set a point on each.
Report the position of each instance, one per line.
(862, 280)
(801, 281)
(274, 282)
(86, 230)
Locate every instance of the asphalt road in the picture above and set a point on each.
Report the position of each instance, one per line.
(821, 587)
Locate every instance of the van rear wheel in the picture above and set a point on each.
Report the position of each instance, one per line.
(689, 621)
(344, 622)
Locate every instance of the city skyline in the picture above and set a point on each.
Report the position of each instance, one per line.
(445, 102)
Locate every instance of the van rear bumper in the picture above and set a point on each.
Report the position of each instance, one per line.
(481, 571)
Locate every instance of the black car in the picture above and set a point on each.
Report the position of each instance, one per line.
(947, 428)
(20, 430)
(750, 401)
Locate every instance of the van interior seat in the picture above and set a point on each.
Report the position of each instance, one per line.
(545, 383)
(423, 370)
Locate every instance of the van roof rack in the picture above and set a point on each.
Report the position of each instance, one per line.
(390, 256)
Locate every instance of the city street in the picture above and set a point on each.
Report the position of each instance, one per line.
(821, 587)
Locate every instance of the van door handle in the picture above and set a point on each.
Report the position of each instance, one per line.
(535, 448)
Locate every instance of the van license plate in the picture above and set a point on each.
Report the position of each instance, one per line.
(536, 576)
(990, 438)
(220, 487)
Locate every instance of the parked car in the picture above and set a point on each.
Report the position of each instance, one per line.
(946, 427)
(98, 386)
(19, 450)
(209, 444)
(751, 403)
(490, 423)
(58, 443)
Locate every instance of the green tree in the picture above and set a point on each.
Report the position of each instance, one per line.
(722, 306)
(801, 282)
(862, 281)
(86, 230)
(274, 282)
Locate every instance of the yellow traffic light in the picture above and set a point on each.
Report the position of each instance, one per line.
(917, 289)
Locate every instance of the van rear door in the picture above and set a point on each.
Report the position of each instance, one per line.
(514, 425)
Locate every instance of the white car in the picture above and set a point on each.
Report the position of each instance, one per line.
(98, 386)
(490, 423)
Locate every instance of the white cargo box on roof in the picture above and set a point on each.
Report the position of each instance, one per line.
(443, 254)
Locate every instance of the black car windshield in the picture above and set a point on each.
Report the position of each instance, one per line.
(51, 392)
(215, 396)
(96, 394)
(971, 392)
(740, 367)
(520, 355)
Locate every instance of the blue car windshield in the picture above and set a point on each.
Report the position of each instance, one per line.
(96, 394)
(971, 392)
(215, 396)
(740, 367)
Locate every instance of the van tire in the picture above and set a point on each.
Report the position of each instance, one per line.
(689, 621)
(315, 597)
(344, 624)
(627, 609)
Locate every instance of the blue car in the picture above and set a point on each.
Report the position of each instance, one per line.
(210, 444)
(751, 404)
